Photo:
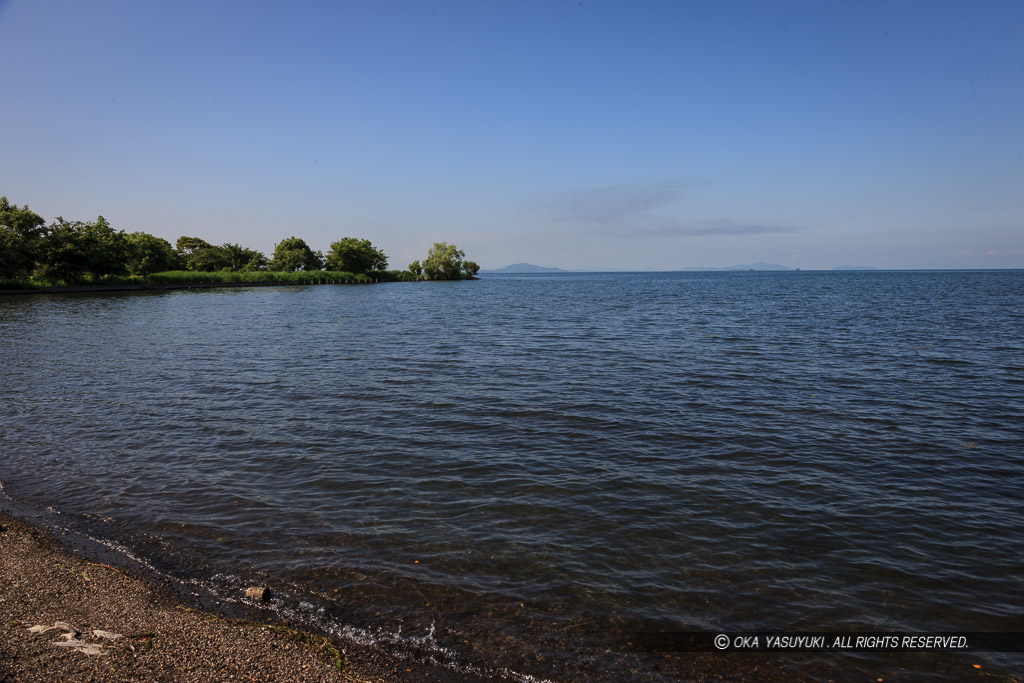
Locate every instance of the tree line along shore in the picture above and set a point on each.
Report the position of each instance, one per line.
(63, 253)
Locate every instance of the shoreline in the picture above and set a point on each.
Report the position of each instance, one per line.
(173, 280)
(171, 631)
(76, 289)
(45, 581)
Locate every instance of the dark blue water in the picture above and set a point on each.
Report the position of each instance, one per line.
(505, 472)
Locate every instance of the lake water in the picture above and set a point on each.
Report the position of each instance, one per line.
(507, 475)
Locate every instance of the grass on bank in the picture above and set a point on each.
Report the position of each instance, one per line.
(191, 277)
(305, 277)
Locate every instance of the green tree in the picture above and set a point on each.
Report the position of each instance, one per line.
(353, 255)
(106, 249)
(242, 258)
(189, 245)
(416, 268)
(73, 249)
(149, 254)
(21, 230)
(446, 262)
(61, 256)
(197, 254)
(201, 256)
(293, 254)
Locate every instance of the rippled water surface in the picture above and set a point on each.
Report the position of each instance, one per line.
(525, 462)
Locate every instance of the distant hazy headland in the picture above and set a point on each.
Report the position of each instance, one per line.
(525, 268)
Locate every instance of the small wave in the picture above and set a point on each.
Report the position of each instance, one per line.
(229, 588)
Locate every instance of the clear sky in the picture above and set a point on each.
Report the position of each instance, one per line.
(596, 135)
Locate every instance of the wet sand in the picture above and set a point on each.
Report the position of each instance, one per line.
(161, 638)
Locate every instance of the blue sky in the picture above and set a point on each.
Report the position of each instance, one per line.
(596, 135)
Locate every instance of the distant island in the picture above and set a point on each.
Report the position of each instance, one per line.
(760, 265)
(525, 268)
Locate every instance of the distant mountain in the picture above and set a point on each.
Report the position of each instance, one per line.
(855, 268)
(760, 265)
(524, 268)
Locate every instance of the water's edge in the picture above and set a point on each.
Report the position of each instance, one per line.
(284, 608)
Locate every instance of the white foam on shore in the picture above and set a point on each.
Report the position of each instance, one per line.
(402, 646)
(124, 551)
(230, 588)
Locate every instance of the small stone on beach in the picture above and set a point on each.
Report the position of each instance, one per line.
(258, 593)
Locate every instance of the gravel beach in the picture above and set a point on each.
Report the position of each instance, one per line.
(140, 630)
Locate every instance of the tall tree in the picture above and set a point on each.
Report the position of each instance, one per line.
(355, 256)
(20, 232)
(201, 256)
(59, 257)
(73, 249)
(189, 245)
(243, 258)
(106, 250)
(149, 254)
(63, 254)
(444, 262)
(293, 254)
